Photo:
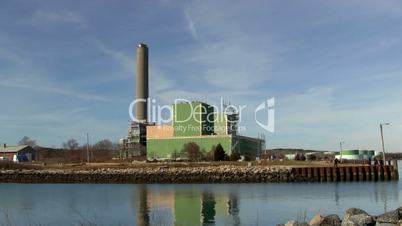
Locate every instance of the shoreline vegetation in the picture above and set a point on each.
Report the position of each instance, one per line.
(352, 217)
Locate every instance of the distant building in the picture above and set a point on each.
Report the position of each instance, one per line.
(21, 153)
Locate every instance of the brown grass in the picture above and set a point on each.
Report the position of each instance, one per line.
(126, 165)
(9, 165)
(120, 165)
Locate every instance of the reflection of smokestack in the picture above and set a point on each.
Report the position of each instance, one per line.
(142, 82)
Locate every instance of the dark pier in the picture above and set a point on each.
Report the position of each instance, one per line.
(347, 173)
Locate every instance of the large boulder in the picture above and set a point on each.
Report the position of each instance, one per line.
(392, 217)
(357, 217)
(330, 220)
(353, 211)
(362, 220)
(317, 219)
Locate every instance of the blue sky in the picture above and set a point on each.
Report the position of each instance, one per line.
(334, 67)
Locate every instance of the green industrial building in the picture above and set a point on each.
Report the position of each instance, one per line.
(197, 122)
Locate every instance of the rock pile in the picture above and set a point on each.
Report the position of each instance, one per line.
(354, 217)
(162, 174)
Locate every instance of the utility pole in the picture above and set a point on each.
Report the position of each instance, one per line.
(87, 147)
(4, 153)
(341, 149)
(382, 140)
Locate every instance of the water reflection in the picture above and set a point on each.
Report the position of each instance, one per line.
(181, 208)
(143, 208)
(336, 194)
(385, 191)
(228, 205)
(208, 208)
(233, 209)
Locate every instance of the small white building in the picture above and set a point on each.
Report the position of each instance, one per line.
(290, 156)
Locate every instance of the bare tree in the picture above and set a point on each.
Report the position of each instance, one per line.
(71, 144)
(192, 151)
(175, 155)
(27, 141)
(105, 144)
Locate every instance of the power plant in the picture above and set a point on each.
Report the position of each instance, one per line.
(192, 122)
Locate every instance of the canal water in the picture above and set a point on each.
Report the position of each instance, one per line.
(189, 204)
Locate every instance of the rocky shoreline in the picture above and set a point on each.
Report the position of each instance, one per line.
(353, 217)
(163, 174)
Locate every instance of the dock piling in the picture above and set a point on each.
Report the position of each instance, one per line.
(348, 173)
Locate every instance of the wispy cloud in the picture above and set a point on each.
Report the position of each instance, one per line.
(42, 125)
(127, 62)
(229, 61)
(23, 72)
(318, 114)
(58, 17)
(191, 26)
(44, 86)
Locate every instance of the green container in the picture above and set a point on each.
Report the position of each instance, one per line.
(363, 152)
(351, 157)
(350, 152)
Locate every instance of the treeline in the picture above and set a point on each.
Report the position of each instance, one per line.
(74, 152)
(72, 144)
